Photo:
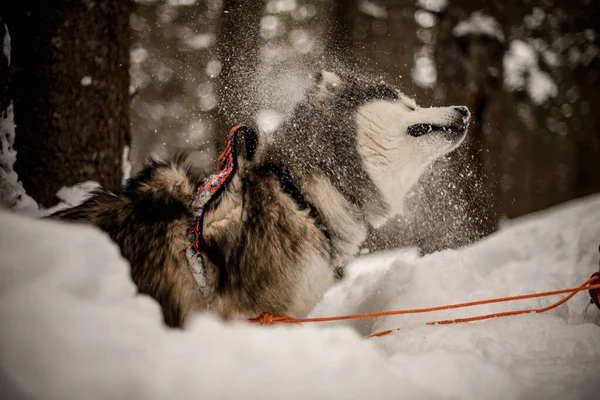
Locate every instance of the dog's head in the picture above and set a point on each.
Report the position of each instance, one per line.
(394, 138)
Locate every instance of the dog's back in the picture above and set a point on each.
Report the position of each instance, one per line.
(294, 211)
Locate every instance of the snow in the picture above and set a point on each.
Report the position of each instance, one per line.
(126, 164)
(479, 24)
(6, 43)
(424, 71)
(12, 193)
(268, 120)
(86, 81)
(280, 6)
(201, 41)
(522, 72)
(71, 196)
(373, 10)
(73, 326)
(433, 5)
(181, 2)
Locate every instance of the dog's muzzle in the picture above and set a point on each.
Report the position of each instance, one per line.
(451, 132)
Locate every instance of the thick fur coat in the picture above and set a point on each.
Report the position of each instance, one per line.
(296, 210)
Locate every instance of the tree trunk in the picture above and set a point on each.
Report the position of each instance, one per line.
(69, 85)
(238, 48)
(4, 66)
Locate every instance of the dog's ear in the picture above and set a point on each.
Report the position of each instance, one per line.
(249, 138)
(326, 84)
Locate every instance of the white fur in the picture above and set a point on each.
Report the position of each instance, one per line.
(340, 215)
(314, 280)
(393, 159)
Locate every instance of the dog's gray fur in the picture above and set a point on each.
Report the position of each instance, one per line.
(293, 214)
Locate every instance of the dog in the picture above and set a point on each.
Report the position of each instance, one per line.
(293, 213)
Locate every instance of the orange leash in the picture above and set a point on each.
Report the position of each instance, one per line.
(268, 319)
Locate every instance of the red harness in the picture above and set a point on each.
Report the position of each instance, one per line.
(595, 292)
(206, 193)
(225, 170)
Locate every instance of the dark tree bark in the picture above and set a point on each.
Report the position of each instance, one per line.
(4, 74)
(238, 48)
(69, 85)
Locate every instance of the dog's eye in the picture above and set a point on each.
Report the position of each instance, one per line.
(410, 104)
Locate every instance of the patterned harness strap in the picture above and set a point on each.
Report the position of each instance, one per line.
(207, 192)
(595, 293)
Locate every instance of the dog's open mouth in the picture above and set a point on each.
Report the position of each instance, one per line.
(424, 129)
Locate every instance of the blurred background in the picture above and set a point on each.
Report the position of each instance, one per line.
(156, 76)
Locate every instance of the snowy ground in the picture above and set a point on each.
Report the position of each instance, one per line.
(72, 326)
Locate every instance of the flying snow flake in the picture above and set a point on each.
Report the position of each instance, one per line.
(201, 41)
(303, 12)
(373, 10)
(433, 5)
(535, 19)
(270, 26)
(424, 72)
(522, 72)
(551, 58)
(181, 2)
(86, 81)
(268, 120)
(207, 99)
(280, 6)
(301, 41)
(138, 54)
(479, 24)
(208, 102)
(196, 130)
(213, 68)
(425, 19)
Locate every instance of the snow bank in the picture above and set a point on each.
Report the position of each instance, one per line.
(73, 327)
(71, 196)
(551, 354)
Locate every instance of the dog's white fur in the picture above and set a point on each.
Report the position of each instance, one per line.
(295, 211)
(393, 159)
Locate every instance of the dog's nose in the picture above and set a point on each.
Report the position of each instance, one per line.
(464, 111)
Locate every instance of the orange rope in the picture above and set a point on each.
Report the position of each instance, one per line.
(267, 319)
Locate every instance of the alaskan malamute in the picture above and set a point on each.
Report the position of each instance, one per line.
(294, 210)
